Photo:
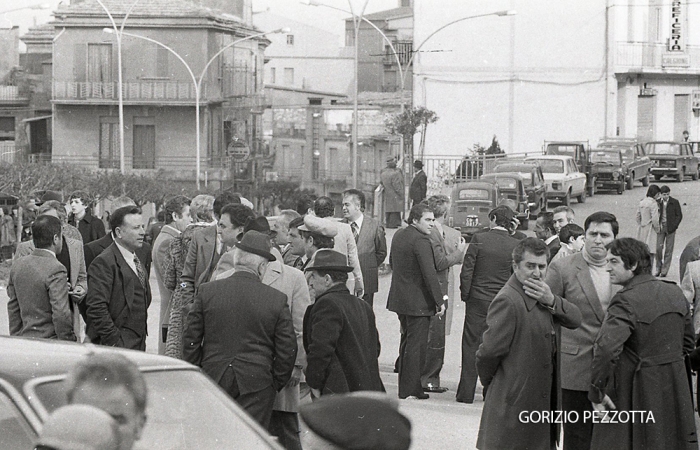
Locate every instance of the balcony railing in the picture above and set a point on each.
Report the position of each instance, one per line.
(649, 57)
(11, 94)
(403, 48)
(142, 91)
(176, 164)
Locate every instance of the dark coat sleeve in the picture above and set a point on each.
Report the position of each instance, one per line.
(380, 250)
(326, 324)
(194, 332)
(501, 323)
(424, 254)
(285, 348)
(97, 229)
(13, 312)
(566, 313)
(101, 278)
(468, 267)
(675, 215)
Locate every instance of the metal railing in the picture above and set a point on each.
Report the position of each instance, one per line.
(449, 169)
(650, 56)
(10, 94)
(157, 91)
(170, 163)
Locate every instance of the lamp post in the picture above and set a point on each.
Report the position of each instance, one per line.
(118, 31)
(197, 82)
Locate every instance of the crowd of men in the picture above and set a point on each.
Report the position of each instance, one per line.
(572, 320)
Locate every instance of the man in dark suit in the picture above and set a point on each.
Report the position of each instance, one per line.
(517, 361)
(37, 288)
(486, 269)
(370, 238)
(419, 184)
(90, 227)
(119, 292)
(445, 257)
(240, 331)
(583, 280)
(339, 326)
(415, 295)
(546, 231)
(670, 216)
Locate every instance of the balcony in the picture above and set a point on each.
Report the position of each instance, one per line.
(404, 49)
(10, 95)
(133, 92)
(643, 57)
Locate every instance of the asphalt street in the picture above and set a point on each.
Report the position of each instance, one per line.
(440, 422)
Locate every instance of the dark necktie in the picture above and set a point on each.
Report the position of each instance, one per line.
(355, 231)
(139, 271)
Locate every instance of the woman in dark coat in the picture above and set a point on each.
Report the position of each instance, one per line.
(639, 358)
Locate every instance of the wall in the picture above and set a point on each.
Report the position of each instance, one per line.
(9, 49)
(527, 78)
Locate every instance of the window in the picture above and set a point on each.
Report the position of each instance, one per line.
(109, 143)
(99, 68)
(144, 143)
(273, 75)
(315, 101)
(7, 128)
(349, 37)
(288, 76)
(290, 39)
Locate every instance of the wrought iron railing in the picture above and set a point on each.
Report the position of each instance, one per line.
(155, 90)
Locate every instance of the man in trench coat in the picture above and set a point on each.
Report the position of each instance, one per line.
(392, 179)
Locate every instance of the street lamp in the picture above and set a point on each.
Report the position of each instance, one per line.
(197, 82)
(120, 97)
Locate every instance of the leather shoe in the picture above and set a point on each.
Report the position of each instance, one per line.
(416, 397)
(435, 389)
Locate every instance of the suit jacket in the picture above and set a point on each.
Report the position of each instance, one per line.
(487, 266)
(345, 244)
(415, 289)
(110, 300)
(392, 180)
(674, 214)
(292, 283)
(571, 278)
(90, 227)
(554, 248)
(371, 251)
(198, 261)
(690, 253)
(452, 238)
(690, 284)
(242, 323)
(515, 365)
(161, 246)
(444, 257)
(419, 187)
(342, 327)
(94, 248)
(38, 298)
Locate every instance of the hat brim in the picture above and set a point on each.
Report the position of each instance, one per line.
(271, 233)
(330, 268)
(256, 251)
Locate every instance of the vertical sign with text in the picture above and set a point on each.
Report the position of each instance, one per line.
(676, 42)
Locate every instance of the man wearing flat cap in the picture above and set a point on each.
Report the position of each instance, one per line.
(339, 326)
(240, 331)
(392, 180)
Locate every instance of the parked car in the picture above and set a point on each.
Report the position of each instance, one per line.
(535, 186)
(609, 169)
(471, 203)
(580, 152)
(512, 193)
(563, 178)
(634, 157)
(673, 159)
(185, 409)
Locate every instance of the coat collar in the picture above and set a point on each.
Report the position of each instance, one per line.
(637, 280)
(518, 286)
(340, 287)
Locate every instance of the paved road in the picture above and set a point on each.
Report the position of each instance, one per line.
(440, 422)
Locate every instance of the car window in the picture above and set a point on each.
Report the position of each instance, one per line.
(605, 157)
(663, 148)
(473, 194)
(551, 165)
(185, 411)
(14, 430)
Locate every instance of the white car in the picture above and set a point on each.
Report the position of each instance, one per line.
(563, 178)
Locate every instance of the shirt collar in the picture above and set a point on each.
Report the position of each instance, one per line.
(126, 253)
(359, 221)
(550, 239)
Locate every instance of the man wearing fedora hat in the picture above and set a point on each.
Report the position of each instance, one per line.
(419, 184)
(339, 327)
(240, 331)
(392, 180)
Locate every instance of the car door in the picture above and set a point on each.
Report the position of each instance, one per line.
(578, 182)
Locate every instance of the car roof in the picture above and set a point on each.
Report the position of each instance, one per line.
(495, 175)
(666, 142)
(516, 167)
(22, 359)
(486, 184)
(560, 157)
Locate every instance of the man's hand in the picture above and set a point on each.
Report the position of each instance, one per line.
(359, 288)
(78, 293)
(315, 393)
(296, 376)
(540, 291)
(605, 405)
(441, 312)
(462, 245)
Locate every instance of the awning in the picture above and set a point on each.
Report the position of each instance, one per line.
(33, 119)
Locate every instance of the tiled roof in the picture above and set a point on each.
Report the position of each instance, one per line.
(403, 11)
(39, 32)
(146, 8)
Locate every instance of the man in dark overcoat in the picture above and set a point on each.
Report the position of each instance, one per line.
(339, 325)
(391, 178)
(670, 216)
(415, 295)
(517, 360)
(639, 357)
(419, 185)
(240, 331)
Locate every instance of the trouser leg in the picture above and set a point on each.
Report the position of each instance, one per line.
(668, 252)
(474, 327)
(285, 426)
(660, 237)
(577, 434)
(369, 298)
(435, 353)
(412, 354)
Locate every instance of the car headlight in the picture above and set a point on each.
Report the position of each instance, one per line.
(655, 163)
(615, 175)
(556, 186)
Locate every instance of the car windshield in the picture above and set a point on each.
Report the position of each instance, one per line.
(507, 183)
(605, 157)
(473, 194)
(551, 165)
(185, 411)
(663, 148)
(562, 149)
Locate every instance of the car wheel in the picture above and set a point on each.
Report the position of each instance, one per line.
(582, 198)
(630, 182)
(566, 201)
(645, 181)
(621, 188)
(695, 175)
(658, 177)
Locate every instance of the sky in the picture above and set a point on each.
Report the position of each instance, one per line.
(318, 16)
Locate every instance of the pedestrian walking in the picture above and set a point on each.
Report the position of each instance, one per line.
(670, 216)
(419, 185)
(392, 180)
(648, 225)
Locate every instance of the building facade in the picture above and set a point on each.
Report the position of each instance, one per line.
(158, 90)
